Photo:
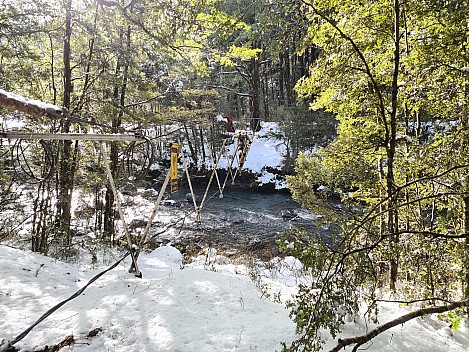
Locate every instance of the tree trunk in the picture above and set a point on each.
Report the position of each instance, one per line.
(201, 136)
(265, 94)
(393, 213)
(42, 220)
(466, 231)
(119, 100)
(193, 151)
(255, 95)
(465, 123)
(64, 200)
(281, 79)
(287, 79)
(86, 83)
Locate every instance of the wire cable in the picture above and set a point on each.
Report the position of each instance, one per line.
(75, 295)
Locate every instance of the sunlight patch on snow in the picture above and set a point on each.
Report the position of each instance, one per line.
(206, 287)
(155, 262)
(159, 334)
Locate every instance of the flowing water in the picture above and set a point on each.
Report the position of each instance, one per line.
(242, 218)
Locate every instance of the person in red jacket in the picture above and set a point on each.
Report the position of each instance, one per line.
(230, 126)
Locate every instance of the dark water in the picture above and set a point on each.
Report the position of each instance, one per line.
(241, 199)
(241, 218)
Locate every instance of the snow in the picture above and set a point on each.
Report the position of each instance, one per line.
(267, 152)
(269, 177)
(221, 118)
(170, 309)
(208, 305)
(38, 103)
(267, 149)
(10, 123)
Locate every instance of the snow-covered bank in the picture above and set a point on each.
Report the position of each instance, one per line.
(266, 154)
(170, 309)
(176, 308)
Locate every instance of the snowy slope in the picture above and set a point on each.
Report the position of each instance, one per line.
(173, 309)
(168, 310)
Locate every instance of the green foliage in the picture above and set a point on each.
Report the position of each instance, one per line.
(236, 53)
(305, 130)
(331, 291)
(400, 163)
(453, 318)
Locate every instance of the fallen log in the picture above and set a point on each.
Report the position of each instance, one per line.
(35, 108)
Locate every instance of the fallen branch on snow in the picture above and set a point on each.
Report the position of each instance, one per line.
(360, 340)
(67, 341)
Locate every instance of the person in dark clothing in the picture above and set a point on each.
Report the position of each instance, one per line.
(230, 126)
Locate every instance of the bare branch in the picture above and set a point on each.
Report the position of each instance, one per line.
(414, 301)
(360, 340)
(432, 234)
(463, 69)
(111, 3)
(432, 177)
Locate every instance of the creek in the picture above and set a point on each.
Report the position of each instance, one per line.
(241, 219)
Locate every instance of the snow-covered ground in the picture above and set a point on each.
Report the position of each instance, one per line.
(176, 307)
(169, 309)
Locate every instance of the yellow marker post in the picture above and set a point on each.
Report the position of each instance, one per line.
(174, 167)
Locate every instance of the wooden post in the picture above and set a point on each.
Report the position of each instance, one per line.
(150, 221)
(121, 213)
(211, 179)
(216, 173)
(186, 169)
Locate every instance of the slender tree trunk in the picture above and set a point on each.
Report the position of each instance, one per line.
(466, 231)
(281, 79)
(119, 99)
(197, 147)
(41, 225)
(255, 95)
(109, 210)
(65, 186)
(287, 79)
(465, 124)
(193, 151)
(52, 70)
(393, 214)
(265, 94)
(201, 135)
(86, 83)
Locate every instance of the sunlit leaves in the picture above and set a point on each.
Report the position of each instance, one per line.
(237, 53)
(401, 150)
(214, 21)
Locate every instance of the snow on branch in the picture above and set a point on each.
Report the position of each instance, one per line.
(360, 340)
(36, 108)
